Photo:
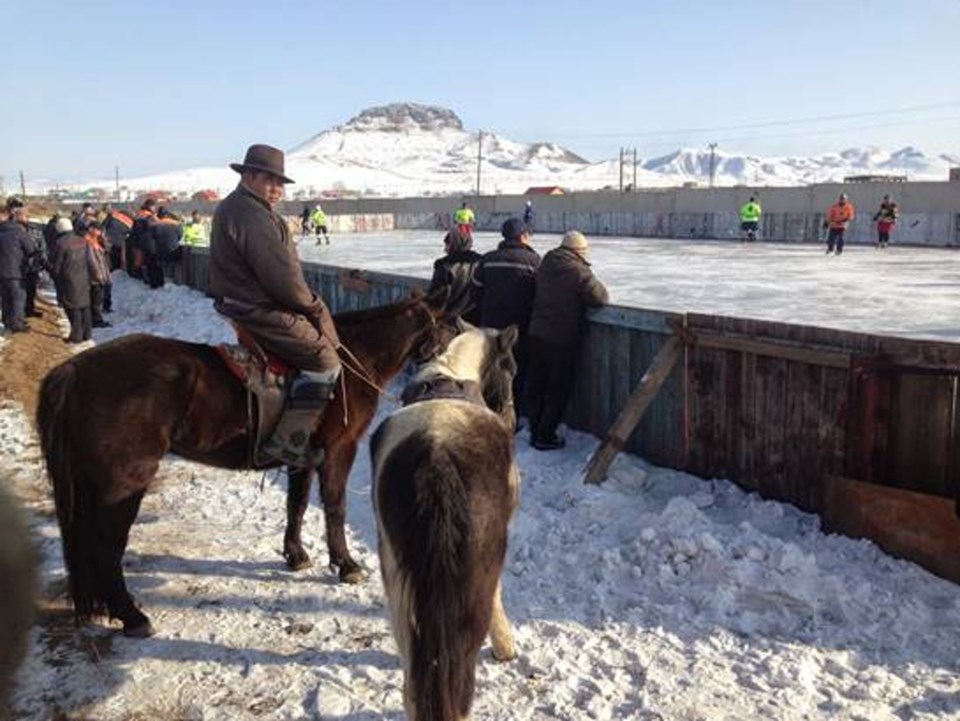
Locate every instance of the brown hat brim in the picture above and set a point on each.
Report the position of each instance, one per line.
(240, 167)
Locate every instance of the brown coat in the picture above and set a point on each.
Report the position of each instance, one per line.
(566, 289)
(257, 280)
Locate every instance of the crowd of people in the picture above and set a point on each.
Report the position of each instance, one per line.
(79, 252)
(836, 221)
(546, 298)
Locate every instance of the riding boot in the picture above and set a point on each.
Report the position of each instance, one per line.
(309, 394)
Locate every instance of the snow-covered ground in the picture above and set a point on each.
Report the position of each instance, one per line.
(654, 596)
(899, 291)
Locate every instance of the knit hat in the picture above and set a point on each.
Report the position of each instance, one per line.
(63, 225)
(512, 229)
(575, 241)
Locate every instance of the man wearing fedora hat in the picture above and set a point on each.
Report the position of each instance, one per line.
(257, 281)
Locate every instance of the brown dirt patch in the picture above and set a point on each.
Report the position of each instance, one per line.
(26, 358)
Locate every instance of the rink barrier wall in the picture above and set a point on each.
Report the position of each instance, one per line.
(930, 212)
(775, 407)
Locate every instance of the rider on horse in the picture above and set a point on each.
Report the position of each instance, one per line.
(257, 281)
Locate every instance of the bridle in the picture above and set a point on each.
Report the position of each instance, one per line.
(354, 365)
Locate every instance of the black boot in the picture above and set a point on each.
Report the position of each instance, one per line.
(309, 394)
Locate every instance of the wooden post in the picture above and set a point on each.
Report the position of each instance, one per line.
(633, 411)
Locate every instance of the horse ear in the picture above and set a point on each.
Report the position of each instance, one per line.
(508, 338)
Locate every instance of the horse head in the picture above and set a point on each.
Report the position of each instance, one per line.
(437, 327)
(482, 357)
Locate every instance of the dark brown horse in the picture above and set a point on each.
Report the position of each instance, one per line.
(107, 417)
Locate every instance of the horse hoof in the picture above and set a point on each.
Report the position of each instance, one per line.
(505, 654)
(352, 575)
(141, 630)
(297, 561)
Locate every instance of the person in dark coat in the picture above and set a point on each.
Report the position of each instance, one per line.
(100, 279)
(529, 216)
(72, 268)
(167, 233)
(256, 280)
(50, 230)
(16, 246)
(34, 263)
(86, 216)
(116, 228)
(63, 229)
(566, 289)
(505, 277)
(305, 220)
(455, 271)
(141, 239)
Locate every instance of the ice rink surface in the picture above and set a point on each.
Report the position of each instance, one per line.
(913, 292)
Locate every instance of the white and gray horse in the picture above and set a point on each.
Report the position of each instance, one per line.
(445, 484)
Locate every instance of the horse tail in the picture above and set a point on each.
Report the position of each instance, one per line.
(57, 423)
(425, 508)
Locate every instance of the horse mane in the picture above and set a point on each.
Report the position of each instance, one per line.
(465, 357)
(359, 317)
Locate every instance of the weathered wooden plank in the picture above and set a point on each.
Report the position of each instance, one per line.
(773, 349)
(633, 410)
(921, 411)
(775, 483)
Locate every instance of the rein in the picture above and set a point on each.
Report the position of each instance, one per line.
(353, 364)
(356, 367)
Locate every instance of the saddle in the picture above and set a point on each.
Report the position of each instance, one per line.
(266, 378)
(441, 387)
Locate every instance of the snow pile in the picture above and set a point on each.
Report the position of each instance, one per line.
(654, 596)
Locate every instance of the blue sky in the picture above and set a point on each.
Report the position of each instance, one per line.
(166, 85)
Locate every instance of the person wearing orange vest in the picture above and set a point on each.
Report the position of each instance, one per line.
(838, 218)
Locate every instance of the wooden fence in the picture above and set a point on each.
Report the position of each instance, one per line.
(775, 407)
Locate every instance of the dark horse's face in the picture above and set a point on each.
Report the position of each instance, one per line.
(438, 331)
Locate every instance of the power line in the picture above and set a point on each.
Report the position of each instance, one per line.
(766, 124)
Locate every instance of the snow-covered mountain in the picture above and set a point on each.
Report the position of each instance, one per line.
(407, 149)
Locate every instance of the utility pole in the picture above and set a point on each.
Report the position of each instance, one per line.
(23, 186)
(621, 169)
(479, 158)
(116, 183)
(713, 147)
(634, 170)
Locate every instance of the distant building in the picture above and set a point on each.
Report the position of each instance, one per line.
(545, 190)
(875, 179)
(206, 196)
(955, 175)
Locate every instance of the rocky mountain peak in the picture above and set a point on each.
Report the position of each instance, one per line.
(404, 117)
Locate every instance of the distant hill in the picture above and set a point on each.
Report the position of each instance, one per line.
(407, 149)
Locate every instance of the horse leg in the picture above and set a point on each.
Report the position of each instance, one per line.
(298, 497)
(501, 632)
(333, 494)
(113, 532)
